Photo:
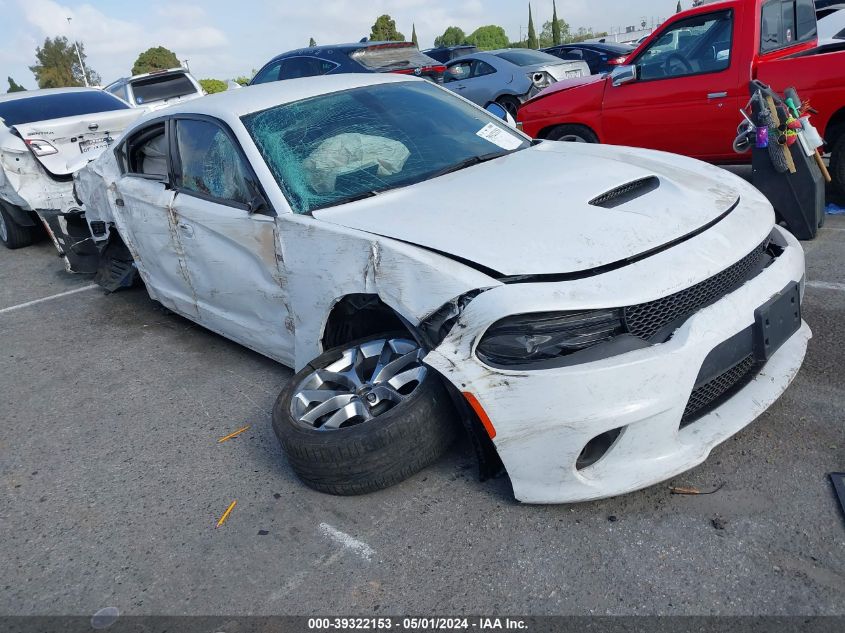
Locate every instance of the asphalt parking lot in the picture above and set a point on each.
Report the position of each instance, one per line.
(113, 481)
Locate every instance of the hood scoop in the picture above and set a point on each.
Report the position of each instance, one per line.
(625, 193)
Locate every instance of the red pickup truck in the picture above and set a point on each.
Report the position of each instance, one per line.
(682, 88)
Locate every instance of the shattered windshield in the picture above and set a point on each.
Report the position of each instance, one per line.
(339, 147)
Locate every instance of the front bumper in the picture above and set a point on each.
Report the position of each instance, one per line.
(543, 419)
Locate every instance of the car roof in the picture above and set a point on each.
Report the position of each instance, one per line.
(236, 102)
(450, 48)
(14, 96)
(350, 47)
(155, 73)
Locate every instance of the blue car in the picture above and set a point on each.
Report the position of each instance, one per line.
(364, 57)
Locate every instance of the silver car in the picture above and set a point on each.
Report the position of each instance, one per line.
(508, 76)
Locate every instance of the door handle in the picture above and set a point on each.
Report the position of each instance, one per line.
(717, 95)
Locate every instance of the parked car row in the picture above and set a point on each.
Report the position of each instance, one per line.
(681, 90)
(507, 77)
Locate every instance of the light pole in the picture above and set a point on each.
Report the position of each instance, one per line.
(79, 57)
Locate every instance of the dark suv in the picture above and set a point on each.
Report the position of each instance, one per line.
(601, 57)
(363, 57)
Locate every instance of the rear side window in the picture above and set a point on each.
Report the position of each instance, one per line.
(297, 67)
(161, 88)
(786, 22)
(571, 54)
(210, 164)
(57, 106)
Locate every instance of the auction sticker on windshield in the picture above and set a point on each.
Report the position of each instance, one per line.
(498, 136)
(93, 144)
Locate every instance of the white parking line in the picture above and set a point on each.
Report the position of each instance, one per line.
(826, 285)
(20, 306)
(362, 549)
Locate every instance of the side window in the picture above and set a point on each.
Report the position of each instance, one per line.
(697, 45)
(266, 75)
(571, 54)
(805, 20)
(786, 22)
(297, 67)
(209, 163)
(145, 154)
(459, 71)
(480, 68)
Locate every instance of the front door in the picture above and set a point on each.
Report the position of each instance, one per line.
(467, 78)
(687, 94)
(145, 196)
(229, 239)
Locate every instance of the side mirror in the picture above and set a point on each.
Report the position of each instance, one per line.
(499, 111)
(623, 75)
(232, 85)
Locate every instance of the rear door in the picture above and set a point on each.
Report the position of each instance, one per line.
(686, 97)
(144, 199)
(87, 124)
(228, 235)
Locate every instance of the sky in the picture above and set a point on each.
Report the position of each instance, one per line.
(224, 39)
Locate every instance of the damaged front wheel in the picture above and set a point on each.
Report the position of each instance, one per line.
(364, 416)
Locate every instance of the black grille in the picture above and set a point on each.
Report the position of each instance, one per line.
(709, 395)
(646, 319)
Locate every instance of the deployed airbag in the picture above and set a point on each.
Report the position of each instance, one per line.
(348, 153)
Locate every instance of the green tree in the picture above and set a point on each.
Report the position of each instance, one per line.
(547, 37)
(15, 86)
(384, 30)
(213, 85)
(414, 35)
(244, 80)
(58, 65)
(312, 42)
(556, 33)
(488, 38)
(158, 58)
(453, 36)
(532, 34)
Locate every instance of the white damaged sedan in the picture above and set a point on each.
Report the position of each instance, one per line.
(598, 317)
(45, 136)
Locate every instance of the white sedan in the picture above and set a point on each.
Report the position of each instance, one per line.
(45, 136)
(599, 317)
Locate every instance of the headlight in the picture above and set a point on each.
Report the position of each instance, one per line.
(527, 338)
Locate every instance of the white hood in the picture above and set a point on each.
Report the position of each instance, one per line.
(529, 213)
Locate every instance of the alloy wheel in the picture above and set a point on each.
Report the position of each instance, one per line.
(365, 382)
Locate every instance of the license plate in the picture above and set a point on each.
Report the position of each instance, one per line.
(573, 73)
(775, 321)
(93, 144)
